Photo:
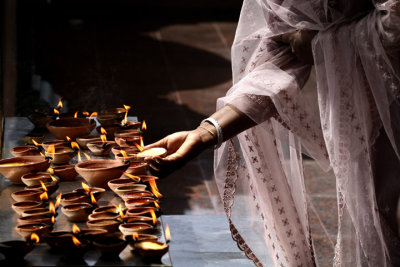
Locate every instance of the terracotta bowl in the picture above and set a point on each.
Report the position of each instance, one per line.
(34, 178)
(26, 195)
(132, 157)
(51, 188)
(15, 250)
(74, 198)
(127, 141)
(56, 143)
(96, 191)
(139, 219)
(108, 119)
(65, 172)
(83, 141)
(25, 230)
(143, 211)
(153, 152)
(111, 225)
(127, 188)
(62, 155)
(35, 219)
(71, 127)
(137, 168)
(99, 148)
(118, 112)
(22, 206)
(53, 238)
(111, 129)
(110, 246)
(130, 132)
(78, 212)
(98, 172)
(38, 211)
(141, 237)
(14, 168)
(130, 125)
(112, 209)
(136, 227)
(28, 139)
(151, 249)
(142, 202)
(40, 120)
(19, 151)
(137, 195)
(113, 184)
(103, 215)
(129, 150)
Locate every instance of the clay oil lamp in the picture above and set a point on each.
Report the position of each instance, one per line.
(132, 157)
(36, 219)
(53, 238)
(127, 188)
(77, 212)
(22, 206)
(127, 141)
(72, 127)
(103, 215)
(14, 168)
(88, 234)
(117, 112)
(35, 178)
(74, 198)
(110, 246)
(136, 227)
(67, 244)
(86, 190)
(64, 172)
(140, 219)
(110, 208)
(98, 172)
(135, 238)
(48, 212)
(128, 150)
(24, 151)
(15, 250)
(83, 141)
(111, 129)
(136, 168)
(130, 132)
(141, 202)
(50, 188)
(108, 119)
(137, 195)
(111, 225)
(151, 249)
(60, 155)
(113, 184)
(26, 195)
(55, 143)
(41, 117)
(25, 230)
(144, 211)
(101, 148)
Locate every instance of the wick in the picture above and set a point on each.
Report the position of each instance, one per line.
(104, 145)
(48, 158)
(127, 162)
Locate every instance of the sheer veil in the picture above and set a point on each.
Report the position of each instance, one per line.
(259, 172)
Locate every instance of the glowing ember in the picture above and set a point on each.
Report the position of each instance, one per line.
(43, 186)
(53, 220)
(144, 125)
(68, 138)
(139, 147)
(103, 131)
(86, 155)
(35, 143)
(135, 236)
(85, 113)
(127, 108)
(75, 229)
(75, 145)
(153, 215)
(76, 115)
(35, 237)
(85, 187)
(51, 170)
(52, 208)
(133, 177)
(141, 141)
(92, 199)
(54, 179)
(152, 245)
(60, 104)
(154, 189)
(44, 196)
(167, 233)
(58, 201)
(56, 112)
(76, 241)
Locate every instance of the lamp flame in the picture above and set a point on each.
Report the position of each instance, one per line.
(127, 108)
(43, 186)
(103, 131)
(144, 125)
(79, 156)
(139, 147)
(75, 229)
(94, 114)
(154, 189)
(53, 220)
(35, 237)
(51, 150)
(86, 155)
(85, 113)
(35, 143)
(54, 179)
(44, 196)
(41, 154)
(52, 208)
(76, 115)
(58, 200)
(92, 199)
(133, 177)
(141, 141)
(103, 138)
(124, 154)
(76, 241)
(167, 233)
(135, 236)
(85, 187)
(75, 145)
(68, 138)
(156, 204)
(153, 215)
(60, 104)
(56, 112)
(51, 170)
(121, 213)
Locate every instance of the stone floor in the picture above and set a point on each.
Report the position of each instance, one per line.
(170, 65)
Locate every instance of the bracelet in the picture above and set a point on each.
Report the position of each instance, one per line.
(204, 128)
(219, 131)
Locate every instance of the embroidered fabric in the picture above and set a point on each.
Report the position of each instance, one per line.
(259, 172)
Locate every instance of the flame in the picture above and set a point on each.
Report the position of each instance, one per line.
(103, 131)
(56, 112)
(35, 143)
(86, 155)
(53, 220)
(79, 156)
(156, 204)
(60, 104)
(41, 154)
(139, 147)
(152, 245)
(144, 125)
(135, 236)
(35, 237)
(76, 115)
(121, 213)
(133, 177)
(85, 187)
(75, 145)
(43, 186)
(52, 208)
(75, 229)
(127, 108)
(76, 241)
(54, 179)
(51, 150)
(153, 215)
(51, 170)
(85, 113)
(58, 200)
(103, 138)
(167, 233)
(141, 141)
(94, 114)
(92, 198)
(124, 154)
(44, 196)
(68, 138)
(154, 188)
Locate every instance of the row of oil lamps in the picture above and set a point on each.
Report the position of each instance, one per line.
(126, 176)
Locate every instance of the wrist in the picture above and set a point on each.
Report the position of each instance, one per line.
(207, 134)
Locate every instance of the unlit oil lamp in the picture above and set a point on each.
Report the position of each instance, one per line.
(136, 168)
(24, 151)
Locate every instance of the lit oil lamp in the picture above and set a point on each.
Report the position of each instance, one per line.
(54, 238)
(128, 188)
(128, 150)
(103, 215)
(50, 188)
(137, 195)
(83, 141)
(56, 143)
(36, 219)
(22, 206)
(151, 250)
(59, 155)
(113, 184)
(114, 209)
(144, 211)
(24, 151)
(49, 212)
(136, 227)
(111, 225)
(110, 246)
(101, 148)
(78, 212)
(25, 230)
(74, 198)
(32, 137)
(35, 178)
(27, 195)
(141, 219)
(72, 127)
(64, 172)
(141, 202)
(127, 141)
(87, 234)
(86, 190)
(14, 168)
(136, 169)
(135, 238)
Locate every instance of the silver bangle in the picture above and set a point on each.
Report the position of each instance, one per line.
(220, 137)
